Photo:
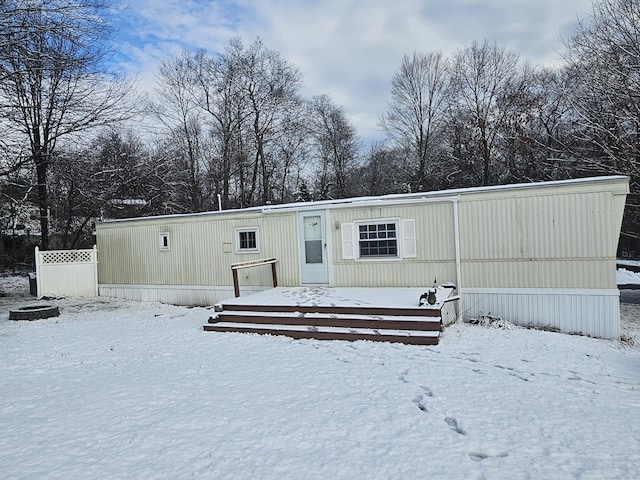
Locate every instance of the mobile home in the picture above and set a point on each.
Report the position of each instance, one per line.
(539, 254)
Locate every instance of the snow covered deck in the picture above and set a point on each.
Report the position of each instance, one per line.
(376, 314)
(341, 297)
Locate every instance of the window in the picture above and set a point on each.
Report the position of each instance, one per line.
(165, 244)
(378, 239)
(247, 240)
(382, 240)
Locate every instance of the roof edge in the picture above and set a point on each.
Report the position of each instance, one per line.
(418, 197)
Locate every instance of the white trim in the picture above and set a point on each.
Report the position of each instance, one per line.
(408, 235)
(162, 287)
(405, 239)
(609, 292)
(378, 221)
(164, 241)
(456, 241)
(320, 271)
(192, 295)
(358, 202)
(236, 235)
(348, 241)
(329, 246)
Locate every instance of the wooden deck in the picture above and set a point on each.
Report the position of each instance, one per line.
(383, 315)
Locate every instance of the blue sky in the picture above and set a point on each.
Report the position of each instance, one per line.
(348, 49)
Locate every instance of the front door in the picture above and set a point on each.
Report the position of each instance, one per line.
(313, 247)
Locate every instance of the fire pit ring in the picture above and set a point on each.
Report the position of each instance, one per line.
(34, 312)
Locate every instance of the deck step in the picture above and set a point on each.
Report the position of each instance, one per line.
(396, 322)
(335, 318)
(330, 333)
(336, 309)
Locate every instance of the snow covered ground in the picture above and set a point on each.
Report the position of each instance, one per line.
(628, 277)
(117, 389)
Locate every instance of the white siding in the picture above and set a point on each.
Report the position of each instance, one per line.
(129, 251)
(427, 239)
(543, 241)
(174, 294)
(588, 312)
(540, 254)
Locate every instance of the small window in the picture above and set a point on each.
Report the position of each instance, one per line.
(247, 240)
(165, 243)
(378, 239)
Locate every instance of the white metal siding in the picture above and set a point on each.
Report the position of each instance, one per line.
(539, 241)
(588, 312)
(540, 255)
(432, 247)
(174, 294)
(129, 252)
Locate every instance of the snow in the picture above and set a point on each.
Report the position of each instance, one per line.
(321, 296)
(119, 389)
(627, 277)
(628, 262)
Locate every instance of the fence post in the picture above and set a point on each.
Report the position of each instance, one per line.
(38, 279)
(94, 261)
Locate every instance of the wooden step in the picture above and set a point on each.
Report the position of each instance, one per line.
(330, 333)
(357, 319)
(336, 309)
(396, 322)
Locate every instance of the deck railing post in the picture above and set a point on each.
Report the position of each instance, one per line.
(236, 286)
(254, 263)
(273, 274)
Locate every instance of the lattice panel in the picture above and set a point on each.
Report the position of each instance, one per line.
(66, 256)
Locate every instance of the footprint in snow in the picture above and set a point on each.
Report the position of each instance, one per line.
(479, 456)
(427, 391)
(418, 401)
(453, 425)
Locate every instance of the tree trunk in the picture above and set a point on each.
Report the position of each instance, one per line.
(43, 199)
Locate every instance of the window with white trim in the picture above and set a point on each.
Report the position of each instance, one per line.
(382, 239)
(247, 240)
(378, 239)
(165, 243)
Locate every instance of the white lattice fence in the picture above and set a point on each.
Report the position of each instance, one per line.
(67, 273)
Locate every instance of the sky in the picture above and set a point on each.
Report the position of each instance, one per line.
(348, 49)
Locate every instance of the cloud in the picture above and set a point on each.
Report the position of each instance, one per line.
(348, 49)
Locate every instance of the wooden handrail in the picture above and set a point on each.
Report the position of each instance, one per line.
(254, 263)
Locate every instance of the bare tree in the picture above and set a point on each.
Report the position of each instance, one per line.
(177, 108)
(336, 145)
(415, 113)
(486, 86)
(54, 83)
(383, 172)
(217, 87)
(603, 58)
(271, 86)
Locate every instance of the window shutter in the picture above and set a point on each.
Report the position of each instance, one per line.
(348, 242)
(409, 238)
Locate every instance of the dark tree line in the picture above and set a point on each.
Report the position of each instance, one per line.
(232, 129)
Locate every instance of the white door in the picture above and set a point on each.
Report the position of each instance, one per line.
(313, 247)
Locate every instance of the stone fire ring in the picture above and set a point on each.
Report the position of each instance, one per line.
(33, 312)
